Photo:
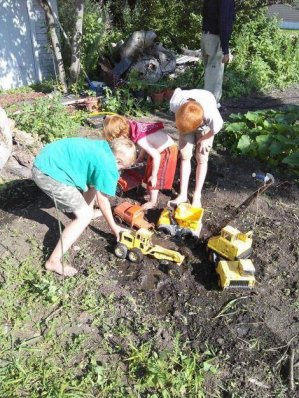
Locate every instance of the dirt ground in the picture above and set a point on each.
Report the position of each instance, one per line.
(252, 333)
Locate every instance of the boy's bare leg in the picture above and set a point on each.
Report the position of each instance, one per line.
(90, 197)
(201, 172)
(69, 236)
(184, 183)
(153, 200)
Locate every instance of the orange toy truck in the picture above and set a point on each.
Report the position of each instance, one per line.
(132, 215)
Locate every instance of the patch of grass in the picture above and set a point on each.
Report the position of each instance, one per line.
(169, 374)
(72, 340)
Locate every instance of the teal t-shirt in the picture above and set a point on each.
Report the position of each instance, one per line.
(80, 162)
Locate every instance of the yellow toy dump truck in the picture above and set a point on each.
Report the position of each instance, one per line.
(184, 220)
(136, 244)
(236, 274)
(231, 245)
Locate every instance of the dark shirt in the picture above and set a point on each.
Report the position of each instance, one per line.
(218, 19)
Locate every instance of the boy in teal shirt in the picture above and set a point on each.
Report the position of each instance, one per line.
(64, 168)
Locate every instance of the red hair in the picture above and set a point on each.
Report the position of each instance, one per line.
(189, 117)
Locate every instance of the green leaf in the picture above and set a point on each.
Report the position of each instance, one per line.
(263, 139)
(236, 127)
(275, 148)
(244, 143)
(292, 159)
(254, 117)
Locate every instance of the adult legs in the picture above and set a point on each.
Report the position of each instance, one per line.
(212, 60)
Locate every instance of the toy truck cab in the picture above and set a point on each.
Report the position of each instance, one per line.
(133, 215)
(236, 274)
(231, 244)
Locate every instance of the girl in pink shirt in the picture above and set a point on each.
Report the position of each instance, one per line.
(154, 142)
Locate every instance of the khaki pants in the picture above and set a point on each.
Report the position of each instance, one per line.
(212, 59)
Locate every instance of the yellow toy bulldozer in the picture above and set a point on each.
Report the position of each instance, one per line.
(136, 244)
(231, 245)
(184, 220)
(236, 274)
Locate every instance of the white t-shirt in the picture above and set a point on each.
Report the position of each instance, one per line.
(212, 117)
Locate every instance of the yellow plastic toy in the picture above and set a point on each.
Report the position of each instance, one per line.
(184, 220)
(236, 274)
(231, 244)
(136, 244)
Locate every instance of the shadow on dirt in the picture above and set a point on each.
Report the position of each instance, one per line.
(22, 198)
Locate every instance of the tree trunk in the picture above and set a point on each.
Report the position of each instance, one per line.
(55, 42)
(77, 36)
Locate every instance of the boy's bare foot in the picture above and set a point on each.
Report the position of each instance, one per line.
(175, 202)
(148, 205)
(57, 267)
(97, 213)
(197, 203)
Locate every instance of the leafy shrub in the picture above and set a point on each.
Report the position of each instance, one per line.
(264, 58)
(97, 32)
(123, 102)
(176, 22)
(272, 136)
(46, 117)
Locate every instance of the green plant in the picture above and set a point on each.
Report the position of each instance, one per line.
(18, 90)
(46, 117)
(272, 136)
(45, 86)
(169, 374)
(122, 101)
(264, 57)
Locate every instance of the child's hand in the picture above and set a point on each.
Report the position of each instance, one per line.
(204, 146)
(117, 230)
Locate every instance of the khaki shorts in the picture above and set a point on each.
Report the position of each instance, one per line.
(68, 199)
(186, 145)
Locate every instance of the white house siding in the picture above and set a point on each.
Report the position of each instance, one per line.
(288, 16)
(25, 57)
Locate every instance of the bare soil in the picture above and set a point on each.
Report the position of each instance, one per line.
(251, 332)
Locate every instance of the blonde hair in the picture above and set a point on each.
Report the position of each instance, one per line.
(124, 150)
(189, 117)
(116, 126)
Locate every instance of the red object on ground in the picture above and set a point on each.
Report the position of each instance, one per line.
(130, 179)
(133, 215)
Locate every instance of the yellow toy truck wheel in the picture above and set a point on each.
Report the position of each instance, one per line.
(135, 255)
(121, 250)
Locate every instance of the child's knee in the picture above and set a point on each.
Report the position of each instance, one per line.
(202, 158)
(85, 214)
(186, 153)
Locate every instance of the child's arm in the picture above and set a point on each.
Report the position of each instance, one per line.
(155, 154)
(141, 156)
(105, 208)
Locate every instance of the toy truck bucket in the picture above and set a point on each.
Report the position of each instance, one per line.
(187, 212)
(189, 217)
